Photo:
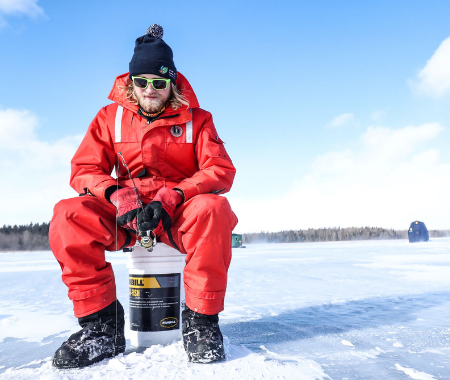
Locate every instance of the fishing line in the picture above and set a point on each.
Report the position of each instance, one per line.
(117, 189)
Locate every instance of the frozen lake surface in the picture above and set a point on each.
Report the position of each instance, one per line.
(338, 310)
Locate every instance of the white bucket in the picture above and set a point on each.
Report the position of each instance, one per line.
(156, 295)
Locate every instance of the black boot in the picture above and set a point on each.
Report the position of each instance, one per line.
(202, 338)
(100, 338)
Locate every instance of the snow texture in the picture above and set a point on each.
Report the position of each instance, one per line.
(338, 310)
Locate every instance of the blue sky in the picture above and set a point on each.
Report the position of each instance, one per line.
(334, 113)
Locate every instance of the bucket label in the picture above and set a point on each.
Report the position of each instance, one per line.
(155, 302)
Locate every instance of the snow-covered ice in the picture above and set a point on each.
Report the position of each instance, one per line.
(338, 310)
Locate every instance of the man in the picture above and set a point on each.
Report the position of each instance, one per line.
(179, 165)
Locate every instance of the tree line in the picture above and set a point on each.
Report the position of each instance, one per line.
(34, 236)
(28, 237)
(332, 234)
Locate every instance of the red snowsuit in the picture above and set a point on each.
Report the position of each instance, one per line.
(179, 149)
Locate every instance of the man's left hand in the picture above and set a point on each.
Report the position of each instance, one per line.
(159, 212)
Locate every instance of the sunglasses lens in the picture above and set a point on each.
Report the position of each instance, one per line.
(140, 82)
(159, 84)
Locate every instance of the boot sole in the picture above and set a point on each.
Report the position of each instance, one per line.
(199, 358)
(69, 364)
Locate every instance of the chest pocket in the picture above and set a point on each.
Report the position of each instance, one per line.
(180, 134)
(180, 159)
(126, 128)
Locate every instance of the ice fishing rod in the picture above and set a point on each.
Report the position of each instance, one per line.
(148, 238)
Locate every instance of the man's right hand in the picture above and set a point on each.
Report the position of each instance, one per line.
(127, 204)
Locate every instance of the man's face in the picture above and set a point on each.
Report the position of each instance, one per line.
(151, 100)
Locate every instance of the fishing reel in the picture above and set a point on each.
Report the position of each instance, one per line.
(148, 240)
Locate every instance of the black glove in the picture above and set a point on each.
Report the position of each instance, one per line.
(155, 219)
(160, 211)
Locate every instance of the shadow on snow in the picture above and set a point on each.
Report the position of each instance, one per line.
(331, 318)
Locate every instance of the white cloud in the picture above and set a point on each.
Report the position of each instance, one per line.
(35, 173)
(434, 78)
(17, 8)
(343, 119)
(25, 7)
(387, 180)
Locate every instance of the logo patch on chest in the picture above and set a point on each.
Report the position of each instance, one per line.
(176, 131)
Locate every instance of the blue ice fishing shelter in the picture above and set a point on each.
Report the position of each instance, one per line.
(418, 232)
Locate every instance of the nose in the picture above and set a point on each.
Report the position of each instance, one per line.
(150, 89)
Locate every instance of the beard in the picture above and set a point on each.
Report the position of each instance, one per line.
(152, 105)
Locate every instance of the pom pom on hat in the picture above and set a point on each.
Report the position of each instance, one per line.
(155, 31)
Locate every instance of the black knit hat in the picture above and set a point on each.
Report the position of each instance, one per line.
(153, 56)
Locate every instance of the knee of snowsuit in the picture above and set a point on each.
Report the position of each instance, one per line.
(83, 228)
